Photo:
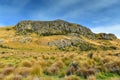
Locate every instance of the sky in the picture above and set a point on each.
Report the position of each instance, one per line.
(98, 15)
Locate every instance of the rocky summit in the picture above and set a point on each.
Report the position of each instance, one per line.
(58, 27)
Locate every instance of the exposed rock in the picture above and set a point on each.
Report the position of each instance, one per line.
(25, 40)
(106, 36)
(66, 42)
(74, 34)
(59, 27)
(52, 28)
(22, 39)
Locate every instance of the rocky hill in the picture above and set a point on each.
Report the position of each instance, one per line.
(57, 50)
(58, 27)
(73, 34)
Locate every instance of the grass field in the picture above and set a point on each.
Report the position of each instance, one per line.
(35, 60)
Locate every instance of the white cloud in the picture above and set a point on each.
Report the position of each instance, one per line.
(115, 29)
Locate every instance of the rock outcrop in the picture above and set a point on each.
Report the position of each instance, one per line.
(105, 36)
(66, 42)
(59, 27)
(56, 27)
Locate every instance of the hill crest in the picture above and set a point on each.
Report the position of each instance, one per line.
(58, 27)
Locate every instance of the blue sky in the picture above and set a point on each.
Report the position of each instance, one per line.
(98, 15)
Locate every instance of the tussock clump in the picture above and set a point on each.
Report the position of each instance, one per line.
(42, 63)
(103, 68)
(2, 65)
(91, 77)
(55, 68)
(113, 67)
(26, 64)
(86, 72)
(114, 78)
(37, 70)
(1, 76)
(107, 59)
(8, 70)
(58, 64)
(70, 71)
(24, 71)
(52, 70)
(72, 68)
(72, 77)
(14, 77)
(9, 65)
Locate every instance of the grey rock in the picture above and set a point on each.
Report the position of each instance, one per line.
(106, 36)
(58, 27)
(52, 28)
(25, 40)
(66, 42)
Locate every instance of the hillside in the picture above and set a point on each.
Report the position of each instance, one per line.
(59, 50)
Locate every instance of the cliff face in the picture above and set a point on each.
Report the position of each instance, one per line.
(58, 27)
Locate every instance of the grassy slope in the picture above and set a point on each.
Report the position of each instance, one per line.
(37, 52)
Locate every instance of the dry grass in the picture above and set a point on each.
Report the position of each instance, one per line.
(37, 60)
(1, 76)
(26, 64)
(37, 70)
(72, 77)
(14, 77)
(8, 70)
(23, 71)
(92, 77)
